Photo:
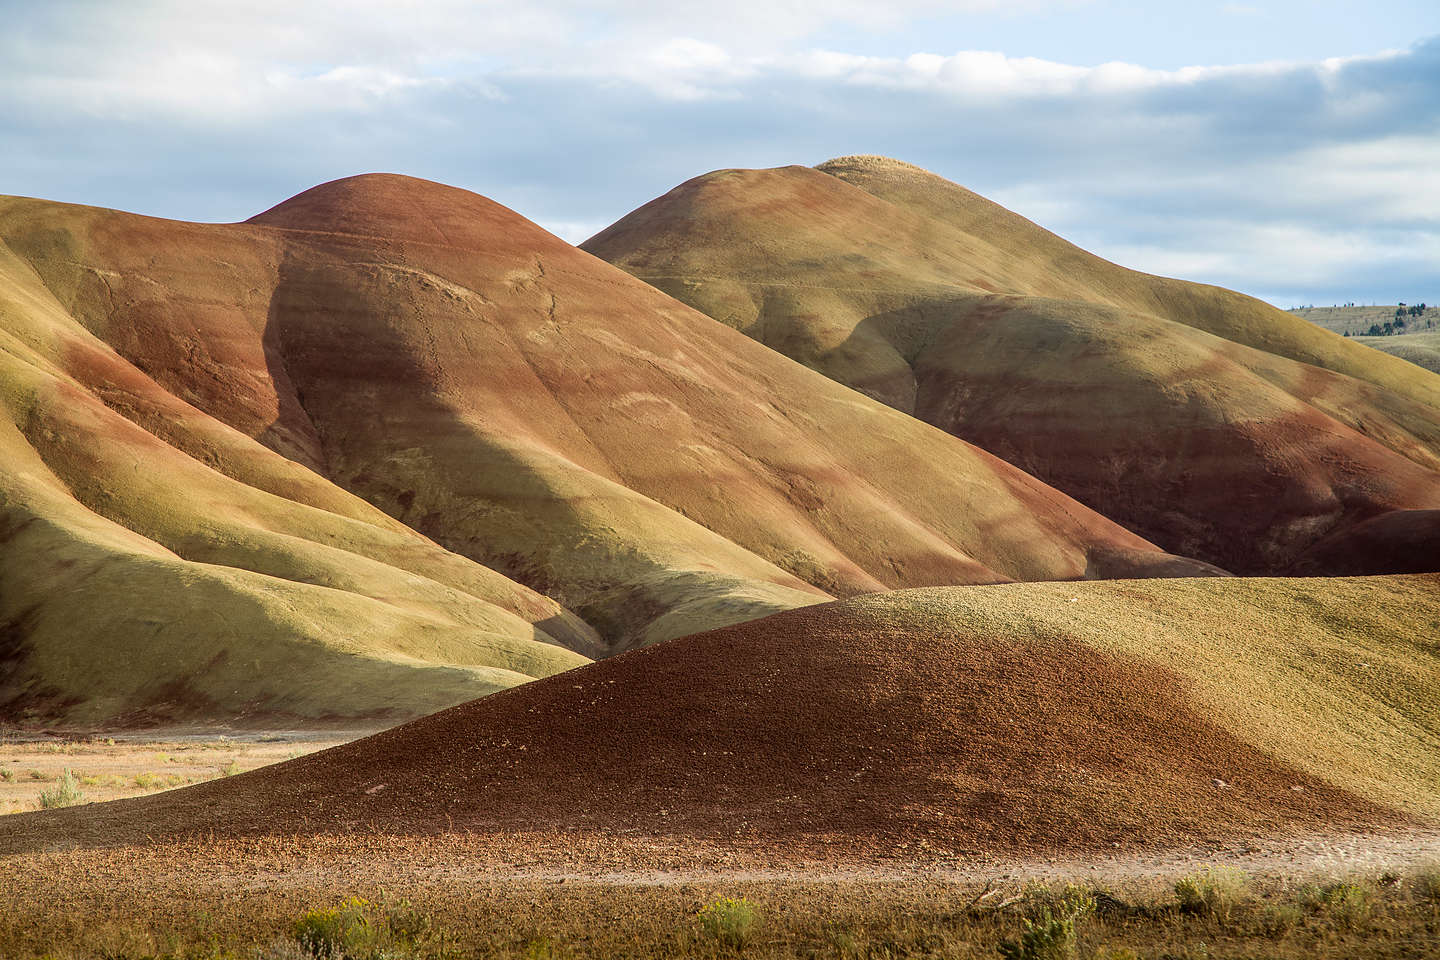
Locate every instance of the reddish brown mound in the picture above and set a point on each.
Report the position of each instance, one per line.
(1402, 541)
(820, 725)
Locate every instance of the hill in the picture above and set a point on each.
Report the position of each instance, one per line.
(389, 445)
(1005, 718)
(1421, 349)
(1355, 320)
(1209, 422)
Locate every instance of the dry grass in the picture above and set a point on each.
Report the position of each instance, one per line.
(1422, 349)
(110, 769)
(1356, 320)
(498, 916)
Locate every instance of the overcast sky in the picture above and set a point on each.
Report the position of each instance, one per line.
(1285, 148)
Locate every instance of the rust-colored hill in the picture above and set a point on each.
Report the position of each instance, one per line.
(1010, 718)
(1207, 421)
(390, 440)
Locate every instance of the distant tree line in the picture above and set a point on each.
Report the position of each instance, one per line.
(1406, 320)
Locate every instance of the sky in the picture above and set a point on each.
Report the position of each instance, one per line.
(1287, 149)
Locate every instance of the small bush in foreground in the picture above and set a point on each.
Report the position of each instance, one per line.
(358, 929)
(66, 793)
(1348, 905)
(1050, 937)
(1279, 919)
(730, 921)
(1211, 892)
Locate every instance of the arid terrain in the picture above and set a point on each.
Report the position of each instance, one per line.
(816, 562)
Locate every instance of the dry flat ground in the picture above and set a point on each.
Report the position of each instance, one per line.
(130, 765)
(534, 897)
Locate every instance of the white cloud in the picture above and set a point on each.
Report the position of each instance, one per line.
(1254, 175)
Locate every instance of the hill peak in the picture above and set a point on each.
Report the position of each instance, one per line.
(873, 160)
(400, 207)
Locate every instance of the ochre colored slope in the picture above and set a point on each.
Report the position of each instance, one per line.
(533, 410)
(1048, 266)
(1206, 421)
(1007, 718)
(138, 583)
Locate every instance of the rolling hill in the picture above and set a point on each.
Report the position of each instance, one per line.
(1421, 349)
(1208, 422)
(1012, 718)
(389, 446)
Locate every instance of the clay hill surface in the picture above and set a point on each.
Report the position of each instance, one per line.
(1206, 421)
(1005, 718)
(390, 446)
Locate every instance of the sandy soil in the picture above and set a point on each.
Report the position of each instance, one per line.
(118, 765)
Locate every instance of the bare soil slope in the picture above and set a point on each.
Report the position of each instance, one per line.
(1009, 718)
(390, 445)
(1207, 421)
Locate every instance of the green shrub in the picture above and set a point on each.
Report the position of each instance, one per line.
(1347, 904)
(7, 775)
(1116, 953)
(1050, 937)
(66, 793)
(1211, 892)
(359, 929)
(1279, 919)
(730, 921)
(342, 932)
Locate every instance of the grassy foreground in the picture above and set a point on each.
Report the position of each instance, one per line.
(1211, 913)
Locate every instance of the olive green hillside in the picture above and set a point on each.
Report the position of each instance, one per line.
(1355, 320)
(140, 585)
(1047, 265)
(1161, 412)
(1421, 349)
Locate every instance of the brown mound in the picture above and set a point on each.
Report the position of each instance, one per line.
(1402, 541)
(872, 727)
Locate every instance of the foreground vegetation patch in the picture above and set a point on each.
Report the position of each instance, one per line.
(1211, 913)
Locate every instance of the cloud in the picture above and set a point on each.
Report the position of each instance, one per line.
(1285, 178)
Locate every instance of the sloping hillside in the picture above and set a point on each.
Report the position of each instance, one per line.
(1421, 349)
(1006, 718)
(394, 423)
(1209, 422)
